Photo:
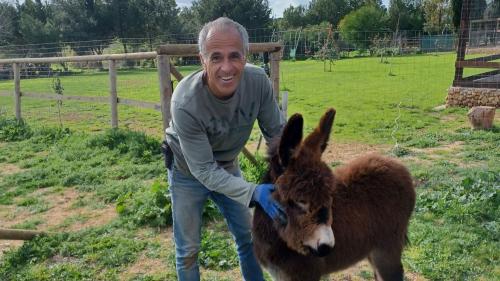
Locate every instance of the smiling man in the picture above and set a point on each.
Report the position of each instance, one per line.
(213, 113)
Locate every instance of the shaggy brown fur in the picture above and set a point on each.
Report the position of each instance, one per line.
(368, 204)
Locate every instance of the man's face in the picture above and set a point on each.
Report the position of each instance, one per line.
(223, 62)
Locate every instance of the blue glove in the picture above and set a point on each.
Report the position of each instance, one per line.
(273, 209)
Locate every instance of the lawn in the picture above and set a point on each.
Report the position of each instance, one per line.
(370, 95)
(104, 190)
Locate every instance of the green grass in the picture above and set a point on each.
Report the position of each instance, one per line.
(454, 230)
(368, 99)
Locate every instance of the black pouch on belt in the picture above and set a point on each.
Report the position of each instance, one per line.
(168, 154)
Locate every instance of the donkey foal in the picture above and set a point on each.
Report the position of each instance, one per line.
(335, 218)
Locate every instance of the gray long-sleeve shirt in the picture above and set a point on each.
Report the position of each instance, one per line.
(206, 134)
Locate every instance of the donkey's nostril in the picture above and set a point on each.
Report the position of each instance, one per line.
(324, 250)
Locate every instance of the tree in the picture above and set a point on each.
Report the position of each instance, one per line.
(8, 23)
(405, 15)
(36, 22)
(294, 17)
(360, 27)
(327, 10)
(83, 21)
(153, 18)
(188, 22)
(437, 16)
(252, 14)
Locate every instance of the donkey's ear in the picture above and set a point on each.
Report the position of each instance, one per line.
(325, 126)
(290, 138)
(321, 135)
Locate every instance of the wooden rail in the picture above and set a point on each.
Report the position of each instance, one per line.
(128, 56)
(19, 234)
(189, 50)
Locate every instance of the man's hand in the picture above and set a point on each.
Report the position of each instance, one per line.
(273, 209)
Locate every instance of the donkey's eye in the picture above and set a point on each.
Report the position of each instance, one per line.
(299, 205)
(322, 216)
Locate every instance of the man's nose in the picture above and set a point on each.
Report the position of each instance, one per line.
(226, 65)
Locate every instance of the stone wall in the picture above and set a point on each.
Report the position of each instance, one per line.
(469, 97)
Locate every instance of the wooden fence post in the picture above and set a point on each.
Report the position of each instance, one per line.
(165, 88)
(17, 90)
(284, 104)
(275, 74)
(113, 96)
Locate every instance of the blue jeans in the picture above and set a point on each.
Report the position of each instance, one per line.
(188, 199)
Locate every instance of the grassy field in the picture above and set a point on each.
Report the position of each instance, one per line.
(104, 190)
(370, 95)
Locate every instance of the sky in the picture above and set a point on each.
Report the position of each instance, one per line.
(277, 6)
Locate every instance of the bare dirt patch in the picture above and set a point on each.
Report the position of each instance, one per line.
(11, 215)
(446, 149)
(145, 265)
(84, 217)
(9, 169)
(6, 245)
(344, 152)
(446, 152)
(56, 218)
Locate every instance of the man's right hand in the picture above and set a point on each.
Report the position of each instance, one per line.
(273, 209)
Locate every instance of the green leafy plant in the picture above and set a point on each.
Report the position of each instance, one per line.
(12, 129)
(59, 91)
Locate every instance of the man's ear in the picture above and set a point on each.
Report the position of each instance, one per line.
(202, 60)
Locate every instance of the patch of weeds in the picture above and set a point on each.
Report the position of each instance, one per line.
(74, 219)
(34, 204)
(59, 272)
(16, 262)
(366, 275)
(107, 250)
(400, 151)
(12, 129)
(80, 202)
(110, 191)
(218, 251)
(84, 177)
(140, 147)
(147, 205)
(155, 277)
(335, 164)
(31, 179)
(211, 212)
(454, 232)
(29, 224)
(251, 172)
(426, 140)
(7, 198)
(100, 253)
(50, 135)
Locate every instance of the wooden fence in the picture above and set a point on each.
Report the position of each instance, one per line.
(165, 71)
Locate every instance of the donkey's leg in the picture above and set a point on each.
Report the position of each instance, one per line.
(387, 265)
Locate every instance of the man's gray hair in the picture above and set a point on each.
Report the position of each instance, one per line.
(222, 23)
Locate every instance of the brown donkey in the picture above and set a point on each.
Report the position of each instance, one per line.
(335, 218)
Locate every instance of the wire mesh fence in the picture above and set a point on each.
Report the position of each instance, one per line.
(401, 72)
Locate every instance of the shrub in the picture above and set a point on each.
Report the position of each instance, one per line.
(138, 145)
(147, 206)
(12, 129)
